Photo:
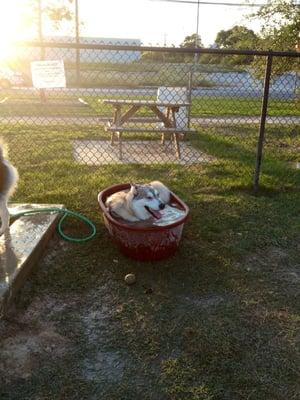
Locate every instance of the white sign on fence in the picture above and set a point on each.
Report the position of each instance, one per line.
(48, 74)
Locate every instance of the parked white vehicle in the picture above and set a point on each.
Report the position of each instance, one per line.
(9, 78)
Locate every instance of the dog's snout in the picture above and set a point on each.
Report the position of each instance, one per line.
(161, 206)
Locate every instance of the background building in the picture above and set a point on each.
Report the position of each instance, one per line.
(86, 55)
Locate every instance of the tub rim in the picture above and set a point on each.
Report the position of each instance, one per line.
(123, 186)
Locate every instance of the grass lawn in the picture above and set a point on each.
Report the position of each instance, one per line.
(222, 106)
(68, 105)
(218, 321)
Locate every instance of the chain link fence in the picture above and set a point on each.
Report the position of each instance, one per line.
(129, 113)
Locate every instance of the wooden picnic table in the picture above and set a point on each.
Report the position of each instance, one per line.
(167, 119)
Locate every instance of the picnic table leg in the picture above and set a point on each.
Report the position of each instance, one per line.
(163, 134)
(120, 145)
(115, 122)
(175, 136)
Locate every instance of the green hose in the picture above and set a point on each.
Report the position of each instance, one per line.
(66, 213)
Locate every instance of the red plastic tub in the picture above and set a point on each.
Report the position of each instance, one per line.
(143, 243)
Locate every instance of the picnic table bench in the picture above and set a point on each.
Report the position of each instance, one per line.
(167, 119)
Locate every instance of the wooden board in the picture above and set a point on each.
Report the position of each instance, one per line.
(21, 248)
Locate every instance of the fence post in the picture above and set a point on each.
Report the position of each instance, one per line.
(189, 97)
(264, 109)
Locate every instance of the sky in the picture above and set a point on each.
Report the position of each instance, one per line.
(161, 23)
(154, 23)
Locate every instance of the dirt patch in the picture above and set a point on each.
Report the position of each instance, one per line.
(104, 366)
(264, 259)
(29, 336)
(95, 324)
(20, 354)
(56, 247)
(206, 302)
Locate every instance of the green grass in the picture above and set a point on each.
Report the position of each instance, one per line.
(220, 321)
(201, 107)
(243, 107)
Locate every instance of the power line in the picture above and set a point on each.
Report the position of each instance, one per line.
(215, 3)
(210, 3)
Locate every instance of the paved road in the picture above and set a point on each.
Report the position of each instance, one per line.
(241, 89)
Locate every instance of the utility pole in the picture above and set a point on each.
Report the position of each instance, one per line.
(41, 40)
(77, 43)
(197, 26)
(196, 57)
(193, 67)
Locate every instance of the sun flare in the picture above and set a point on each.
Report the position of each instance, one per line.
(12, 26)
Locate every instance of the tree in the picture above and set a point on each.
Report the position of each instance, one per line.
(192, 41)
(281, 24)
(238, 37)
(161, 57)
(54, 11)
(58, 11)
(280, 31)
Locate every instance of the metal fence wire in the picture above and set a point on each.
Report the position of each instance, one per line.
(131, 113)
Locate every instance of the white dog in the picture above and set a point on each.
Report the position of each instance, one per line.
(8, 182)
(139, 203)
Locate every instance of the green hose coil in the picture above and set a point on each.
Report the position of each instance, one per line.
(66, 213)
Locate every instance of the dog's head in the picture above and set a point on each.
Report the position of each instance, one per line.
(146, 202)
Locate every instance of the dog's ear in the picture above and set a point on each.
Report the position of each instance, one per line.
(133, 189)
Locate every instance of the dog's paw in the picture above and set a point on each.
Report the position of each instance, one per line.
(132, 219)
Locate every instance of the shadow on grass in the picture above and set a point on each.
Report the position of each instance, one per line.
(235, 158)
(200, 325)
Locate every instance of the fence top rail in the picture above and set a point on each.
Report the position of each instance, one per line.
(114, 47)
(145, 103)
